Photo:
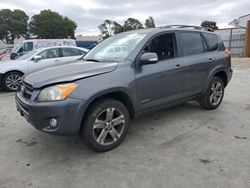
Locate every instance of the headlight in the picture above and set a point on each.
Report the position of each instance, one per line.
(57, 92)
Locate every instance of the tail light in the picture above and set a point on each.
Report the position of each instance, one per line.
(226, 51)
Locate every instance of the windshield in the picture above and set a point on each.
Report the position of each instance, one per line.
(116, 48)
(28, 55)
(17, 47)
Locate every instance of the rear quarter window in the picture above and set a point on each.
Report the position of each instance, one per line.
(212, 41)
(191, 43)
(71, 52)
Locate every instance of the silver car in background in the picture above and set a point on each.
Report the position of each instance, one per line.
(12, 71)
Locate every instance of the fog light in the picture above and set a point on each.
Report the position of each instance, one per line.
(53, 122)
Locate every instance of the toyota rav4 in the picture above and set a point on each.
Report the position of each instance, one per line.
(122, 77)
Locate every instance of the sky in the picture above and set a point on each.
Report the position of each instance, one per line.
(88, 14)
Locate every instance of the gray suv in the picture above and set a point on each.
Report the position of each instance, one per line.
(122, 77)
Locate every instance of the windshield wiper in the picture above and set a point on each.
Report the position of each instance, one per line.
(95, 60)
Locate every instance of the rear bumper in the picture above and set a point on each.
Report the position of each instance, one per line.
(68, 114)
(229, 75)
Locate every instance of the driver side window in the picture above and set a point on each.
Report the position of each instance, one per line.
(50, 53)
(163, 46)
(26, 47)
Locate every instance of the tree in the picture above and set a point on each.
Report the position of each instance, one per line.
(106, 28)
(132, 24)
(109, 27)
(51, 25)
(150, 23)
(13, 24)
(210, 24)
(118, 28)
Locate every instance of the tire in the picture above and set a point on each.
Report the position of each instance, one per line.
(214, 94)
(11, 81)
(99, 130)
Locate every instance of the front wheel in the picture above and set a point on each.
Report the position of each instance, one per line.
(214, 94)
(105, 125)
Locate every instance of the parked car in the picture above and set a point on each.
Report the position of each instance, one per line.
(12, 71)
(98, 96)
(26, 46)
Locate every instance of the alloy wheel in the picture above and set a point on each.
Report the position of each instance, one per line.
(13, 81)
(216, 93)
(108, 126)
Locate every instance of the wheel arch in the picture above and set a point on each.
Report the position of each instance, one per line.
(4, 74)
(116, 93)
(218, 71)
(223, 75)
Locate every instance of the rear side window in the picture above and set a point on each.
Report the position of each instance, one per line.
(212, 41)
(71, 52)
(191, 43)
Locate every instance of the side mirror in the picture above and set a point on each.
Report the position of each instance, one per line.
(13, 56)
(37, 58)
(148, 58)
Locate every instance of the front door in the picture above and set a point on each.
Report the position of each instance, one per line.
(49, 58)
(162, 82)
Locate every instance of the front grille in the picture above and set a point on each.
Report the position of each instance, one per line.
(26, 90)
(23, 106)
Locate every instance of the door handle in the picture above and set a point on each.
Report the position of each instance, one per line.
(210, 59)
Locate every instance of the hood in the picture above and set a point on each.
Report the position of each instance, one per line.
(8, 63)
(68, 73)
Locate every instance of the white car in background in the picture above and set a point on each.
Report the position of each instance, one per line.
(26, 46)
(12, 71)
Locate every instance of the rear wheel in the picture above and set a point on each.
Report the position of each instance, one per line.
(105, 125)
(11, 81)
(214, 94)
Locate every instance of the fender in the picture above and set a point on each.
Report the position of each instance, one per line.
(211, 75)
(86, 103)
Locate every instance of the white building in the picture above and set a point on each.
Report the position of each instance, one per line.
(240, 22)
(234, 38)
(97, 38)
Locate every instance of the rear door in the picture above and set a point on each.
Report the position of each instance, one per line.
(197, 58)
(71, 54)
(216, 47)
(161, 82)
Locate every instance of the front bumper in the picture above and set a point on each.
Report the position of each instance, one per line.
(1, 77)
(68, 114)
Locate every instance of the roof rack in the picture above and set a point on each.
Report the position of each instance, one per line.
(189, 26)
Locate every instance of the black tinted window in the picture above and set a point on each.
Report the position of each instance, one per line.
(163, 45)
(191, 43)
(212, 41)
(26, 47)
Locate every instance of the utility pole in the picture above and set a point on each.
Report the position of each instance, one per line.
(247, 41)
